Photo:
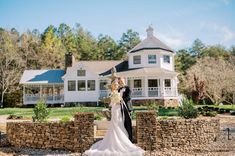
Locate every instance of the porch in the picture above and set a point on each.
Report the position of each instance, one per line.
(148, 87)
(51, 93)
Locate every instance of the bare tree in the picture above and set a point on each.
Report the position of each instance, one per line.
(217, 74)
(10, 62)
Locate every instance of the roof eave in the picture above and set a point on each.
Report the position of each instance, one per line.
(151, 48)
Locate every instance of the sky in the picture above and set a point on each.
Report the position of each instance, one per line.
(176, 22)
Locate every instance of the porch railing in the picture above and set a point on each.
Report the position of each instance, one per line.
(154, 92)
(169, 91)
(33, 98)
(103, 93)
(137, 92)
(151, 92)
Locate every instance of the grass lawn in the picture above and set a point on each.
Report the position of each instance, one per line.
(69, 111)
(54, 112)
(232, 107)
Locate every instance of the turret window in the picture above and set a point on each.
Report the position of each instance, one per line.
(152, 59)
(137, 59)
(166, 59)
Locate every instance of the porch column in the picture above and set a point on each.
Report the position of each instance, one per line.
(53, 93)
(23, 93)
(162, 87)
(126, 80)
(40, 91)
(145, 86)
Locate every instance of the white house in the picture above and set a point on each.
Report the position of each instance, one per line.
(149, 71)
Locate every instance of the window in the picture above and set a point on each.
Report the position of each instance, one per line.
(137, 84)
(153, 83)
(103, 85)
(137, 59)
(152, 59)
(166, 58)
(90, 85)
(81, 85)
(71, 85)
(81, 72)
(167, 82)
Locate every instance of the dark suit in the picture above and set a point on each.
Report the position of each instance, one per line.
(127, 120)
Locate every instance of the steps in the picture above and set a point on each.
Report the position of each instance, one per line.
(100, 133)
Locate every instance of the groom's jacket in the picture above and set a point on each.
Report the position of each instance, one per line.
(127, 97)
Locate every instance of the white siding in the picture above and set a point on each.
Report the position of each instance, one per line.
(80, 96)
(144, 59)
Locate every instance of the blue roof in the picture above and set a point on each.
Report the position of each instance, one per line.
(42, 76)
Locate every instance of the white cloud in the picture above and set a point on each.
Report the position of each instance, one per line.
(223, 32)
(226, 2)
(226, 33)
(173, 38)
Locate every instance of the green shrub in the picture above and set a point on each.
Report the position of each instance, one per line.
(187, 110)
(209, 113)
(232, 113)
(98, 117)
(40, 111)
(152, 105)
(65, 119)
(163, 117)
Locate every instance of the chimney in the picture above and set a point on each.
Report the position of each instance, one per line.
(69, 60)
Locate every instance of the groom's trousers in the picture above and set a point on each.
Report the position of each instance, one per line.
(127, 121)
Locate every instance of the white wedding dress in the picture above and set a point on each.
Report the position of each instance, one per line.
(116, 141)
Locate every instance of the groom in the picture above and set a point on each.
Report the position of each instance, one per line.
(126, 93)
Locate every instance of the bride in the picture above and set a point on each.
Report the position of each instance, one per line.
(116, 141)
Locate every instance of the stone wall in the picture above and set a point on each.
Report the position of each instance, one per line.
(77, 135)
(176, 133)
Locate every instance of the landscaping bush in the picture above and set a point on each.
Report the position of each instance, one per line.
(41, 112)
(13, 99)
(221, 111)
(187, 110)
(65, 119)
(98, 117)
(232, 113)
(163, 118)
(209, 113)
(13, 116)
(152, 105)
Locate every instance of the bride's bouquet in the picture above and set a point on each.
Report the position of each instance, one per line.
(115, 97)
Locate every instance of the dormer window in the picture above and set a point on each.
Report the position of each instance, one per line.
(166, 59)
(137, 59)
(81, 72)
(152, 59)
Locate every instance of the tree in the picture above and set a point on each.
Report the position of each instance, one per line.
(199, 89)
(67, 37)
(184, 60)
(29, 49)
(215, 51)
(107, 48)
(52, 48)
(217, 74)
(10, 62)
(197, 48)
(232, 50)
(128, 41)
(86, 44)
